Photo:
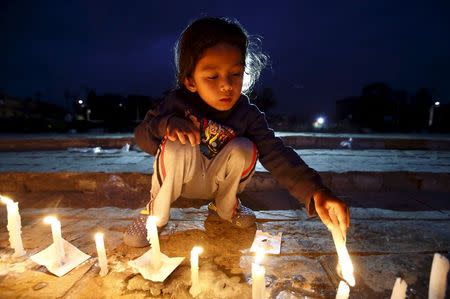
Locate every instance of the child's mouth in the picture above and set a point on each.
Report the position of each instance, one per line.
(225, 100)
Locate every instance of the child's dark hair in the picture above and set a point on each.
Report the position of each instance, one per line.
(207, 32)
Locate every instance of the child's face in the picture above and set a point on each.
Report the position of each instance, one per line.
(218, 76)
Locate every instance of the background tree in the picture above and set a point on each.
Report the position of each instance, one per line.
(420, 106)
(378, 108)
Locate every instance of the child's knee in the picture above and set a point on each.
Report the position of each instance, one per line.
(175, 156)
(243, 148)
(175, 148)
(162, 220)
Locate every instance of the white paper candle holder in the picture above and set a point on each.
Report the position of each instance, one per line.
(154, 265)
(60, 257)
(144, 265)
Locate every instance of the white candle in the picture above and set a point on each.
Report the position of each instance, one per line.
(152, 236)
(343, 291)
(14, 225)
(195, 287)
(342, 252)
(438, 277)
(58, 244)
(258, 276)
(258, 281)
(101, 252)
(399, 290)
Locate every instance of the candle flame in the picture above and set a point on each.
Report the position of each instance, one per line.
(6, 200)
(50, 220)
(98, 237)
(346, 264)
(259, 255)
(151, 220)
(341, 249)
(197, 249)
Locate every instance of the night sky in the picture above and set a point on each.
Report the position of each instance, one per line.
(320, 51)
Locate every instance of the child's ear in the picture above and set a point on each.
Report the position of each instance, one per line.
(190, 84)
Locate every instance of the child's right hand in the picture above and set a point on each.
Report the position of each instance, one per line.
(333, 212)
(179, 128)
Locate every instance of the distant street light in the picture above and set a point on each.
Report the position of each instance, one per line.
(431, 117)
(320, 120)
(319, 123)
(81, 110)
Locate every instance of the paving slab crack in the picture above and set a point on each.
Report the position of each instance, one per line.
(75, 284)
(332, 278)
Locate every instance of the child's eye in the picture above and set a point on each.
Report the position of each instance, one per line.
(212, 77)
(237, 74)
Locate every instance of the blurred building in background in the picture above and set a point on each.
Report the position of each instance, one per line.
(381, 109)
(29, 115)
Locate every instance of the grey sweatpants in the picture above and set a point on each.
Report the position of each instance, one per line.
(181, 170)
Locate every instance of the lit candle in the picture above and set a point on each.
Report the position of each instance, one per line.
(14, 225)
(58, 244)
(258, 276)
(399, 290)
(342, 252)
(343, 290)
(438, 277)
(195, 287)
(101, 252)
(152, 236)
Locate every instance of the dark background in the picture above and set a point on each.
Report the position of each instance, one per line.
(321, 52)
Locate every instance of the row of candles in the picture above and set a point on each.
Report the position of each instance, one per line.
(437, 287)
(14, 227)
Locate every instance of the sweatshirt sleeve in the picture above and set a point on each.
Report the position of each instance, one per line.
(283, 162)
(149, 133)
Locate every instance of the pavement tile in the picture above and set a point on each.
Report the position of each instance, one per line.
(399, 236)
(336, 160)
(380, 242)
(125, 284)
(375, 275)
(364, 237)
(39, 283)
(301, 275)
(383, 214)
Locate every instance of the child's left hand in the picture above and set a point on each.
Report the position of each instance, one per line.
(332, 211)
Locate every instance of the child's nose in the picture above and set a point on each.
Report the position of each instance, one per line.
(227, 84)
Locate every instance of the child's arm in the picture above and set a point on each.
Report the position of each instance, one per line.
(166, 120)
(294, 174)
(149, 133)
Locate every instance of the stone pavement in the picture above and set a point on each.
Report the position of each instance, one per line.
(332, 160)
(87, 169)
(25, 142)
(383, 244)
(399, 203)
